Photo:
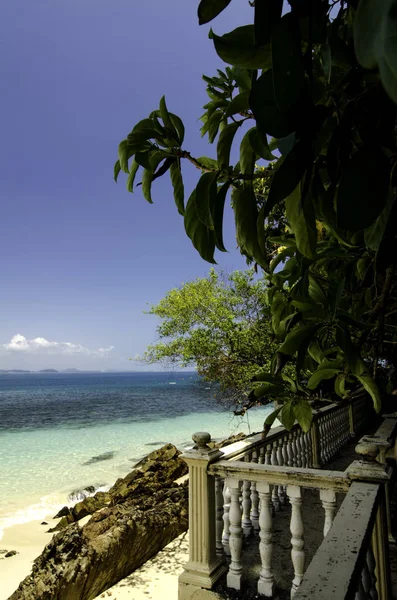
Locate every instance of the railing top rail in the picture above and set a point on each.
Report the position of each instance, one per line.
(336, 565)
(282, 475)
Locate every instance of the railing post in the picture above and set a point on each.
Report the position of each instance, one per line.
(315, 438)
(204, 567)
(351, 421)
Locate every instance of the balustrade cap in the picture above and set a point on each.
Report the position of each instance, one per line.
(201, 438)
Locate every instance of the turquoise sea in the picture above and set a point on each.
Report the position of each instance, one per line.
(63, 433)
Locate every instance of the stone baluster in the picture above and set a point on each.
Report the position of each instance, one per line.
(204, 566)
(308, 450)
(246, 508)
(268, 454)
(360, 594)
(328, 500)
(234, 575)
(299, 448)
(373, 594)
(280, 461)
(366, 580)
(285, 449)
(275, 496)
(219, 514)
(295, 449)
(254, 498)
(290, 449)
(320, 438)
(296, 527)
(262, 455)
(226, 523)
(266, 578)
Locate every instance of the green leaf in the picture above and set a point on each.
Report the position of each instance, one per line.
(267, 15)
(238, 104)
(298, 336)
(177, 184)
(206, 191)
(316, 292)
(147, 179)
(287, 176)
(247, 155)
(273, 416)
(268, 389)
(116, 171)
(339, 387)
(238, 49)
(218, 215)
(280, 257)
(373, 235)
(301, 217)
(143, 159)
(267, 377)
(269, 118)
(179, 126)
(225, 143)
(131, 176)
(166, 117)
(246, 215)
(375, 40)
(242, 78)
(319, 375)
(315, 351)
(288, 70)
(201, 237)
(287, 415)
(260, 144)
(164, 167)
(364, 179)
(208, 163)
(125, 152)
(372, 389)
(209, 9)
(326, 59)
(303, 413)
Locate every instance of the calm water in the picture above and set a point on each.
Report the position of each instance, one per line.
(62, 432)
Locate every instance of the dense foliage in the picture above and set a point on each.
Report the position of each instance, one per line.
(219, 324)
(312, 85)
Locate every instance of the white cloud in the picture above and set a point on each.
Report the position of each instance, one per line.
(39, 345)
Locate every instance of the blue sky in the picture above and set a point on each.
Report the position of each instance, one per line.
(81, 258)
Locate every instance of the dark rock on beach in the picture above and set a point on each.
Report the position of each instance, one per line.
(11, 553)
(130, 523)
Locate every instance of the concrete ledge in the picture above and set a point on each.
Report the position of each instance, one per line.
(187, 591)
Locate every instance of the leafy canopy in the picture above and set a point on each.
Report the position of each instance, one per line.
(311, 87)
(219, 324)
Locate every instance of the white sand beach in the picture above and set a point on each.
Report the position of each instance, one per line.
(155, 580)
(28, 540)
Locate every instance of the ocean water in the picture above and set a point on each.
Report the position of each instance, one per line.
(61, 433)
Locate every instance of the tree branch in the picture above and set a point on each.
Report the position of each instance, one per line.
(198, 165)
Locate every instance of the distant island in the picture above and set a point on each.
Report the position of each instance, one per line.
(72, 370)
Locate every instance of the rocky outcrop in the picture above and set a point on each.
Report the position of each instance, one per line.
(160, 467)
(139, 515)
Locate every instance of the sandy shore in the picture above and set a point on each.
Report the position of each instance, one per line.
(28, 540)
(155, 580)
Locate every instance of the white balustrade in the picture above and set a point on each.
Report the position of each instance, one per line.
(234, 574)
(219, 514)
(328, 500)
(226, 529)
(297, 530)
(246, 508)
(266, 577)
